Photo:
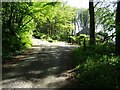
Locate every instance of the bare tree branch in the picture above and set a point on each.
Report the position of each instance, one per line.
(96, 4)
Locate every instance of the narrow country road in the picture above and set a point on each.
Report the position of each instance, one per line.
(45, 65)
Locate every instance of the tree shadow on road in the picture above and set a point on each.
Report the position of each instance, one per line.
(40, 64)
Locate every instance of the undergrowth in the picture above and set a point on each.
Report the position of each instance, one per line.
(98, 67)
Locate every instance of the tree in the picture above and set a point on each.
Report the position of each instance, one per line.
(105, 25)
(92, 22)
(83, 21)
(17, 26)
(118, 29)
(20, 19)
(54, 21)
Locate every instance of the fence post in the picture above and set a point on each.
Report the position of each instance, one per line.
(84, 44)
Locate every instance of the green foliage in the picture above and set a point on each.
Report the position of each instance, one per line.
(73, 38)
(17, 27)
(103, 18)
(39, 35)
(49, 39)
(48, 20)
(97, 67)
(54, 21)
(79, 39)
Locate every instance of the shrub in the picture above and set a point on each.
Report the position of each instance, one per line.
(49, 39)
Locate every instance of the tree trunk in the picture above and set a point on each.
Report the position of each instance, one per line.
(92, 22)
(118, 29)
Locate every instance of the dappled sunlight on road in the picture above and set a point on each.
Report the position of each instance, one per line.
(41, 67)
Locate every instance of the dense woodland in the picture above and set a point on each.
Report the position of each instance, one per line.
(96, 60)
